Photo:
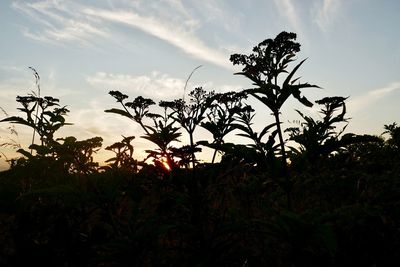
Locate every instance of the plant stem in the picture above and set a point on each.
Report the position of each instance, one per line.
(214, 155)
(287, 186)
(192, 148)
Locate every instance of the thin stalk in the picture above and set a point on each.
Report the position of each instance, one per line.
(37, 81)
(281, 142)
(34, 128)
(214, 155)
(187, 80)
(287, 186)
(192, 147)
(140, 122)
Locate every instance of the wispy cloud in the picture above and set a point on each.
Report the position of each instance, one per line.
(288, 10)
(325, 13)
(175, 34)
(60, 21)
(63, 21)
(219, 13)
(372, 97)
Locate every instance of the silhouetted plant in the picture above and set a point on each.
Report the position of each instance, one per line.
(74, 156)
(37, 82)
(162, 134)
(315, 136)
(139, 105)
(319, 138)
(49, 119)
(11, 141)
(345, 208)
(77, 156)
(265, 150)
(269, 60)
(189, 115)
(394, 132)
(183, 155)
(221, 116)
(45, 116)
(123, 158)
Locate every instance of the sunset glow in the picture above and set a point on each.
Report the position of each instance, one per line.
(164, 162)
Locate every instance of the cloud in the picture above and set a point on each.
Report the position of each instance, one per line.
(16, 81)
(218, 12)
(326, 12)
(371, 97)
(9, 68)
(289, 11)
(60, 21)
(156, 85)
(176, 34)
(169, 20)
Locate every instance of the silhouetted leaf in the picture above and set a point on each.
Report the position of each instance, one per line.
(120, 112)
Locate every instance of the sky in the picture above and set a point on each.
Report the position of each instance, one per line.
(84, 49)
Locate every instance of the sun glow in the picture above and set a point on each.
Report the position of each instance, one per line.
(165, 164)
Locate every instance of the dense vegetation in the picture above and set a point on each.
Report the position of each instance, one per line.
(327, 199)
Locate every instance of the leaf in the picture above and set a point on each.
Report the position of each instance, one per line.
(290, 76)
(120, 112)
(296, 93)
(17, 120)
(271, 140)
(270, 103)
(240, 127)
(210, 126)
(266, 129)
(245, 135)
(40, 150)
(25, 153)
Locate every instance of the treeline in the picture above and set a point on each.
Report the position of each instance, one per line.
(330, 199)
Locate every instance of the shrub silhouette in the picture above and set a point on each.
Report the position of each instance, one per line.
(269, 60)
(59, 208)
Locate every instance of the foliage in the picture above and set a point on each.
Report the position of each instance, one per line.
(162, 133)
(190, 115)
(269, 60)
(221, 117)
(59, 208)
(123, 155)
(319, 138)
(46, 117)
(394, 132)
(49, 119)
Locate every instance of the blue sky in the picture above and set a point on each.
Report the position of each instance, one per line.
(83, 49)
